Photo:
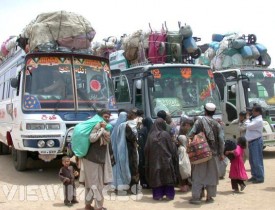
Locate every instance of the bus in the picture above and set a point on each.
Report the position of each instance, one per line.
(179, 89)
(43, 95)
(242, 88)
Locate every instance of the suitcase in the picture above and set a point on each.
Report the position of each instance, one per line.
(157, 51)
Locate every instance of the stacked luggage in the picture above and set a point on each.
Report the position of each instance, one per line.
(234, 50)
(162, 46)
(61, 30)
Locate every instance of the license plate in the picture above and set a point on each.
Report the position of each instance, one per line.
(44, 152)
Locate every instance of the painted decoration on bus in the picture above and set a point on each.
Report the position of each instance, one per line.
(210, 73)
(156, 73)
(88, 62)
(207, 91)
(112, 102)
(48, 60)
(2, 113)
(9, 109)
(95, 85)
(268, 74)
(186, 73)
(31, 102)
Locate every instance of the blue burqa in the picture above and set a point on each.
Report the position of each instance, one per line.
(121, 170)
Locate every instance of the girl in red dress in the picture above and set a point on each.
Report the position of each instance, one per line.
(237, 172)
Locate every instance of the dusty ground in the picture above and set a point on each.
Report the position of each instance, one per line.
(40, 189)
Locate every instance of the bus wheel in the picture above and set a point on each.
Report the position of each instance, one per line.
(4, 149)
(19, 159)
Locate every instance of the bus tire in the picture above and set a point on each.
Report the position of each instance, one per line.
(19, 159)
(4, 149)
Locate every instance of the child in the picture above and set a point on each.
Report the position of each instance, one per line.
(184, 164)
(67, 175)
(237, 172)
(240, 121)
(185, 126)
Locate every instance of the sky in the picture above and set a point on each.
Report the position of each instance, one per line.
(118, 17)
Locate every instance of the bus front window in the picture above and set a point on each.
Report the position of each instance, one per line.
(48, 84)
(93, 84)
(182, 90)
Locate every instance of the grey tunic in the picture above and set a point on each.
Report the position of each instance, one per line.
(206, 174)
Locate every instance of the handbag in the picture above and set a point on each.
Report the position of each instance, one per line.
(198, 149)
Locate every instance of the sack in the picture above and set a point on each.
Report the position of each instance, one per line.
(198, 150)
(81, 135)
(184, 163)
(82, 41)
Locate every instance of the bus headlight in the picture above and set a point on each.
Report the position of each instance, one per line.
(35, 126)
(53, 126)
(41, 143)
(50, 143)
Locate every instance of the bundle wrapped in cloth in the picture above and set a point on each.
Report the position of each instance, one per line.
(60, 28)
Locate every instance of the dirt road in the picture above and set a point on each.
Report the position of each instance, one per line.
(41, 189)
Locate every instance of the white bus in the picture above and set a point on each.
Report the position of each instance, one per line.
(43, 95)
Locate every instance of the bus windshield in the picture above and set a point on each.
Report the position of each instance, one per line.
(183, 90)
(62, 82)
(261, 87)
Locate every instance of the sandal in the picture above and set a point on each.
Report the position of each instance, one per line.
(209, 200)
(89, 208)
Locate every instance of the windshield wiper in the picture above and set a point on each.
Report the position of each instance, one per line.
(84, 97)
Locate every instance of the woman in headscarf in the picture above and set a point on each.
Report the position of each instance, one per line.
(124, 142)
(142, 138)
(161, 161)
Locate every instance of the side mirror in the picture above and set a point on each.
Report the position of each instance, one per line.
(14, 82)
(246, 84)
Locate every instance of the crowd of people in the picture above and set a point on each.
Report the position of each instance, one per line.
(138, 151)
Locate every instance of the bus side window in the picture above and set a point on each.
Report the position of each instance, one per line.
(122, 92)
(232, 94)
(138, 94)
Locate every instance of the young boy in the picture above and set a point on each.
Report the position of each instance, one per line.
(67, 175)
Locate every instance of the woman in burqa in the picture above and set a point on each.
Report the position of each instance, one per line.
(142, 138)
(124, 144)
(121, 171)
(161, 161)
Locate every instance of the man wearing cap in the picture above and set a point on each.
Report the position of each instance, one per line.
(254, 137)
(206, 174)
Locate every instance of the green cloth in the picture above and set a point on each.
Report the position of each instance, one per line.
(80, 138)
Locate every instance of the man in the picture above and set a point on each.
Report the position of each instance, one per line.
(58, 85)
(97, 162)
(207, 174)
(253, 135)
